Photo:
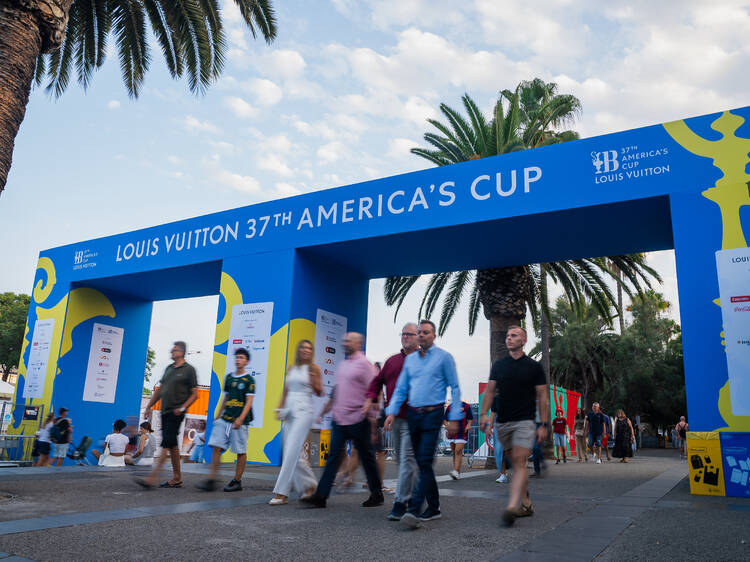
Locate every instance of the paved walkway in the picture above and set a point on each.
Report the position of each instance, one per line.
(613, 511)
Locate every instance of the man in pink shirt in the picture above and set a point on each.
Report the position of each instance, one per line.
(353, 380)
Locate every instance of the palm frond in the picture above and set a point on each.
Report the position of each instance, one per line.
(129, 27)
(61, 60)
(453, 298)
(259, 14)
(166, 36)
(437, 157)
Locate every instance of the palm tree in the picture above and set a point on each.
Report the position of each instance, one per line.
(55, 38)
(527, 118)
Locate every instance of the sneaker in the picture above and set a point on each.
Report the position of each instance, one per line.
(410, 520)
(375, 499)
(598, 461)
(525, 510)
(429, 514)
(557, 461)
(233, 486)
(565, 459)
(454, 474)
(502, 479)
(207, 485)
(398, 511)
(314, 501)
(509, 517)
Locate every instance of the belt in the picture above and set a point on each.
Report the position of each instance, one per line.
(425, 409)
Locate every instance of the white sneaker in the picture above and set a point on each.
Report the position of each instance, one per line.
(454, 474)
(598, 461)
(502, 479)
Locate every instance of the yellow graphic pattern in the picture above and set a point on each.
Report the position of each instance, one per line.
(731, 192)
(71, 310)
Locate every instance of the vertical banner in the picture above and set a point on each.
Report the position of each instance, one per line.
(36, 374)
(329, 352)
(251, 329)
(733, 269)
(104, 364)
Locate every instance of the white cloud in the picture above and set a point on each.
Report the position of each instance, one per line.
(264, 92)
(400, 148)
(239, 182)
(174, 160)
(274, 163)
(240, 107)
(113, 104)
(287, 190)
(330, 152)
(193, 124)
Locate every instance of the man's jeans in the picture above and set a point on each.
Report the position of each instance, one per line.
(359, 434)
(498, 447)
(407, 464)
(424, 429)
(537, 455)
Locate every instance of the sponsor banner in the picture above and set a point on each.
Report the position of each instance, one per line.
(733, 269)
(36, 373)
(735, 451)
(330, 329)
(704, 462)
(251, 329)
(104, 364)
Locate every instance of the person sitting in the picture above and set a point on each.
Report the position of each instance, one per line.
(114, 447)
(144, 452)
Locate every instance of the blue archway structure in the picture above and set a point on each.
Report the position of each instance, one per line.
(680, 185)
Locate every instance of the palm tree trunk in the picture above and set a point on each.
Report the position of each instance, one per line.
(545, 329)
(27, 28)
(620, 317)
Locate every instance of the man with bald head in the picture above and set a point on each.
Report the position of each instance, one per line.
(353, 379)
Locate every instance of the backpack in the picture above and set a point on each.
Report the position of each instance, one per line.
(57, 435)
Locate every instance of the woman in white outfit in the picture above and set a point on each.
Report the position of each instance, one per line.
(114, 447)
(296, 411)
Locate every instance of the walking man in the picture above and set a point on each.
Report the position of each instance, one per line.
(595, 429)
(230, 427)
(178, 390)
(350, 423)
(519, 383)
(388, 377)
(61, 435)
(424, 379)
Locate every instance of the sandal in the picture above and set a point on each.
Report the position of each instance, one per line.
(170, 484)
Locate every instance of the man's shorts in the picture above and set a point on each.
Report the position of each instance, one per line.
(595, 440)
(59, 450)
(560, 440)
(170, 429)
(517, 434)
(44, 447)
(224, 436)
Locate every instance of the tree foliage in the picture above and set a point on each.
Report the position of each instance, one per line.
(13, 311)
(640, 370)
(189, 33)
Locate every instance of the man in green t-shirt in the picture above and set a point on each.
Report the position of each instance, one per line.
(230, 427)
(177, 390)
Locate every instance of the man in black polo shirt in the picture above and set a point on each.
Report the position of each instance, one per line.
(177, 391)
(518, 383)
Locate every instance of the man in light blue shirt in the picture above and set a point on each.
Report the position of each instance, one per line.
(423, 380)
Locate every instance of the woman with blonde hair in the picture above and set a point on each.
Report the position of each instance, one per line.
(303, 379)
(624, 437)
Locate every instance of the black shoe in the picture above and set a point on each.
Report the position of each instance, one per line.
(411, 521)
(233, 486)
(399, 508)
(557, 461)
(375, 499)
(565, 459)
(509, 517)
(314, 501)
(207, 485)
(429, 514)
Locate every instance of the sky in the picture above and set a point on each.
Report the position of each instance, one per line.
(340, 97)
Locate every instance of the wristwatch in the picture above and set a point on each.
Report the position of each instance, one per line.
(182, 410)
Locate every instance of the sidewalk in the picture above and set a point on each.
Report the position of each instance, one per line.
(636, 511)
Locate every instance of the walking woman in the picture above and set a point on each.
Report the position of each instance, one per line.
(624, 437)
(296, 411)
(44, 440)
(578, 426)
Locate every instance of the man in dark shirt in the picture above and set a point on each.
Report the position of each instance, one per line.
(388, 377)
(518, 383)
(595, 429)
(60, 448)
(178, 390)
